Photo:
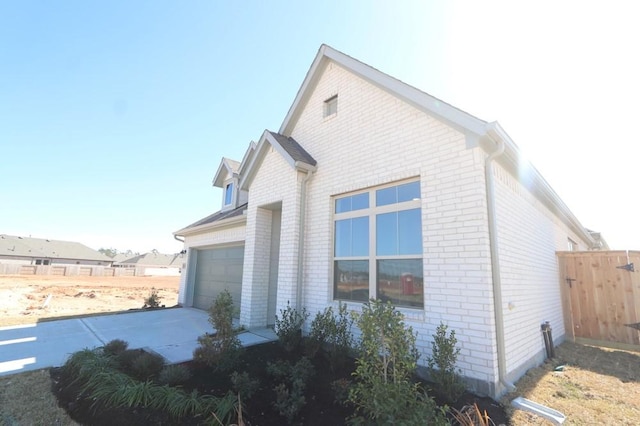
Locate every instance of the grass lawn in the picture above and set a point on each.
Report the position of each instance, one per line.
(596, 386)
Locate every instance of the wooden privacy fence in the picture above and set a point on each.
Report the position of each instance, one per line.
(69, 270)
(601, 296)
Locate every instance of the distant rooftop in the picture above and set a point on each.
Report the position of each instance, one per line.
(11, 245)
(153, 259)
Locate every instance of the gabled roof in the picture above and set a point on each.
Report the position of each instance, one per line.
(477, 132)
(227, 167)
(154, 259)
(217, 219)
(292, 152)
(50, 249)
(455, 117)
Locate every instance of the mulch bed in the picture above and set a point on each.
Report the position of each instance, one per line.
(320, 408)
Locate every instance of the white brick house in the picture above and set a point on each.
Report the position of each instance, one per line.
(372, 188)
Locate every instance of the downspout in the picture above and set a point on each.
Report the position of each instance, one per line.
(178, 238)
(303, 210)
(495, 262)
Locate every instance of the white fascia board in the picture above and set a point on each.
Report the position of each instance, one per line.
(247, 156)
(268, 141)
(253, 162)
(303, 92)
(525, 173)
(274, 143)
(221, 224)
(218, 179)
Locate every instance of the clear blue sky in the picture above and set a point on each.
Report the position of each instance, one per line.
(114, 115)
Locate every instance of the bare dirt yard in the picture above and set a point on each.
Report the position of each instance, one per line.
(31, 298)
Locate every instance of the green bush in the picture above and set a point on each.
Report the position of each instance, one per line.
(290, 393)
(173, 375)
(222, 349)
(115, 347)
(153, 300)
(384, 392)
(340, 388)
(221, 314)
(442, 364)
(333, 332)
(289, 327)
(146, 366)
(244, 385)
(126, 358)
(98, 379)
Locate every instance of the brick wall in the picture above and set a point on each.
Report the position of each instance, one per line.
(529, 236)
(275, 186)
(374, 139)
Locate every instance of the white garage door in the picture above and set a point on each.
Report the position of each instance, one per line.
(216, 270)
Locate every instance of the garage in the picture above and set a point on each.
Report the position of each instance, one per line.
(218, 269)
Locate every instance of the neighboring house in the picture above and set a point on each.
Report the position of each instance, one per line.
(374, 189)
(152, 263)
(38, 251)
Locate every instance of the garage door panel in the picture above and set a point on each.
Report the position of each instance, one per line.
(216, 270)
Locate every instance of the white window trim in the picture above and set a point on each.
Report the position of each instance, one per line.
(372, 257)
(327, 104)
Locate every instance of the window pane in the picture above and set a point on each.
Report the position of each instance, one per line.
(386, 196)
(351, 280)
(360, 236)
(354, 202)
(387, 234)
(401, 282)
(228, 194)
(343, 238)
(343, 205)
(409, 232)
(408, 192)
(360, 201)
(352, 237)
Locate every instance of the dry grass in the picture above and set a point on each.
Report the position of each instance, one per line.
(26, 399)
(597, 386)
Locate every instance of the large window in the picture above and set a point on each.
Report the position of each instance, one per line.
(378, 245)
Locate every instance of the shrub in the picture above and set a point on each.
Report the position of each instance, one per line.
(289, 327)
(220, 350)
(290, 393)
(115, 347)
(99, 381)
(146, 366)
(384, 392)
(340, 388)
(221, 314)
(173, 375)
(334, 332)
(244, 385)
(442, 364)
(153, 300)
(126, 358)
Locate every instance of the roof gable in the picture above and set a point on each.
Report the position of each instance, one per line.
(292, 152)
(441, 110)
(227, 168)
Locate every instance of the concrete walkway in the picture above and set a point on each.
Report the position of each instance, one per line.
(172, 333)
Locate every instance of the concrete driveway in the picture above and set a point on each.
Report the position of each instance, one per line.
(172, 333)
